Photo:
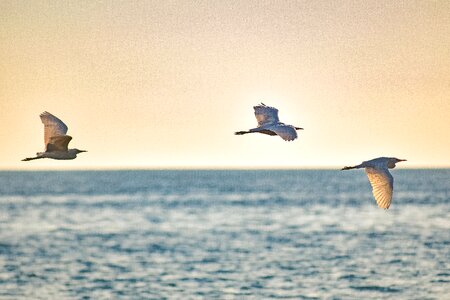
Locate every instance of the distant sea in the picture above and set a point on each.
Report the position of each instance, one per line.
(307, 234)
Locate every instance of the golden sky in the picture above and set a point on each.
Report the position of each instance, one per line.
(153, 84)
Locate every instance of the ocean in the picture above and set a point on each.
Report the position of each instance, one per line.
(219, 234)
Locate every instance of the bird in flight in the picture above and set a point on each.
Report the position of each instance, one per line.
(382, 182)
(55, 139)
(268, 123)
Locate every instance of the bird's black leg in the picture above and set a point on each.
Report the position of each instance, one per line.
(31, 158)
(241, 132)
(348, 168)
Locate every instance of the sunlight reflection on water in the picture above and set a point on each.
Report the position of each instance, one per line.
(214, 234)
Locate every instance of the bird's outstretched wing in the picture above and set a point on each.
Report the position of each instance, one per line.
(286, 132)
(266, 114)
(58, 143)
(52, 126)
(382, 185)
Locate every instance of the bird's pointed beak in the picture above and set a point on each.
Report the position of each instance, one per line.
(298, 128)
(83, 151)
(402, 160)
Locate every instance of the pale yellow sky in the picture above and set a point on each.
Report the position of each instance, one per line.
(154, 84)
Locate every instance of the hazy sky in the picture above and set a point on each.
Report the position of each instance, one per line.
(166, 83)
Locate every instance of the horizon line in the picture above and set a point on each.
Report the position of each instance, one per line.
(197, 168)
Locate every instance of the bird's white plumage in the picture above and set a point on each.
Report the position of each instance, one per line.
(382, 185)
(266, 115)
(269, 123)
(52, 127)
(286, 132)
(382, 182)
(55, 139)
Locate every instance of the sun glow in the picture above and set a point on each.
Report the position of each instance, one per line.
(153, 85)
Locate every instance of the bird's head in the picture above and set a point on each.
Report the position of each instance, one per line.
(79, 151)
(73, 152)
(392, 161)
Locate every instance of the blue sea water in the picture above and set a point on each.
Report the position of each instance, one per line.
(308, 234)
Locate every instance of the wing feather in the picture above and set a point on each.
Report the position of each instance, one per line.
(382, 185)
(58, 143)
(286, 132)
(266, 114)
(52, 126)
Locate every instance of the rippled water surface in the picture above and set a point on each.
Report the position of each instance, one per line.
(222, 235)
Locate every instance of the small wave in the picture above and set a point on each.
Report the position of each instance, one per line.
(376, 288)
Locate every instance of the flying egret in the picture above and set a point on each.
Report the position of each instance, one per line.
(268, 123)
(381, 180)
(55, 139)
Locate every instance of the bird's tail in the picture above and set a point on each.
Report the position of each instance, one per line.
(31, 158)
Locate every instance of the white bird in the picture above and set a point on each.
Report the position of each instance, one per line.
(55, 139)
(381, 180)
(268, 123)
